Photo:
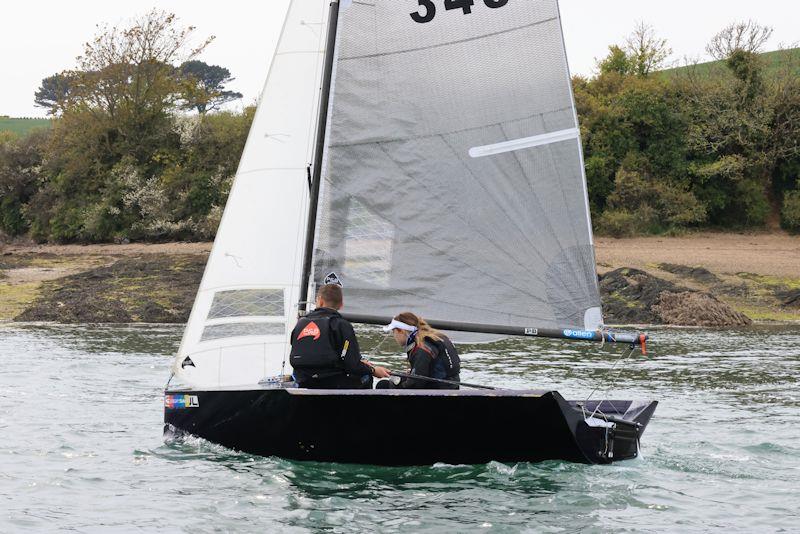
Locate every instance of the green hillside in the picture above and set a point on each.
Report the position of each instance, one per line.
(22, 126)
(775, 63)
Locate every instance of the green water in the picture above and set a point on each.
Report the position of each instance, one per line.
(81, 447)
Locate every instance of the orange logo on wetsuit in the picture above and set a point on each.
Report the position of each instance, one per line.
(311, 330)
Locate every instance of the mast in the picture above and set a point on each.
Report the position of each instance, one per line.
(319, 150)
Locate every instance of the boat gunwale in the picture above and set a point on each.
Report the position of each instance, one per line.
(370, 392)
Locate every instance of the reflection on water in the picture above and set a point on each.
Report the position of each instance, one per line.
(80, 417)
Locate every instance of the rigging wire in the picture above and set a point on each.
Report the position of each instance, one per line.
(622, 357)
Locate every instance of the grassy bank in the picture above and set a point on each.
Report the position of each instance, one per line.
(22, 126)
(775, 63)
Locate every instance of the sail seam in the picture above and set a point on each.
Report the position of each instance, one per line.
(461, 41)
(452, 132)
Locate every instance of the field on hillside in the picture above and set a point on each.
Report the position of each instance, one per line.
(22, 126)
(775, 62)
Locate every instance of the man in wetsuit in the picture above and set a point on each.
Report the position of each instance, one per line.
(325, 353)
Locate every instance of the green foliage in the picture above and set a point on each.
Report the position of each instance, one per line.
(619, 223)
(721, 140)
(646, 51)
(121, 163)
(20, 167)
(790, 214)
(643, 204)
(643, 53)
(629, 117)
(91, 193)
(616, 61)
(715, 144)
(204, 86)
(53, 91)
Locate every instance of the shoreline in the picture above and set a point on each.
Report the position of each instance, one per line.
(755, 274)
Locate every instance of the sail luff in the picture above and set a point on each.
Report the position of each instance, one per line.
(319, 152)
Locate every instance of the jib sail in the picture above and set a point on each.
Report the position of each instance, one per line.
(246, 305)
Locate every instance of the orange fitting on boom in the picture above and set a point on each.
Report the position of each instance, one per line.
(643, 343)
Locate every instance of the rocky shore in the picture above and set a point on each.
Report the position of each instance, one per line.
(157, 283)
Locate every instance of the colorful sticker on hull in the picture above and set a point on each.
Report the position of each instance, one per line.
(179, 402)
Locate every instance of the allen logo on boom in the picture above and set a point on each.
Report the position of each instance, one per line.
(311, 330)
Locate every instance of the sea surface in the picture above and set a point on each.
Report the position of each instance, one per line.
(81, 446)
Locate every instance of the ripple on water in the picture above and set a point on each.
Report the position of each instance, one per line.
(720, 453)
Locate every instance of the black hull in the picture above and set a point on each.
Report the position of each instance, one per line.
(384, 427)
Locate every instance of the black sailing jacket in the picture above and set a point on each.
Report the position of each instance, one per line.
(427, 359)
(340, 331)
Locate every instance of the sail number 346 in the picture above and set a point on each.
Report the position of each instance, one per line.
(465, 5)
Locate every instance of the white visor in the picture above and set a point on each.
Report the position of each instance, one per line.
(399, 325)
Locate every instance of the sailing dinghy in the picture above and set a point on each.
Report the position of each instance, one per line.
(428, 153)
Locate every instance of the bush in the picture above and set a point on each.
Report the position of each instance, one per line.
(642, 203)
(790, 214)
(90, 186)
(20, 169)
(618, 223)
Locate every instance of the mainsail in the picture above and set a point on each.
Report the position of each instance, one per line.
(247, 302)
(454, 184)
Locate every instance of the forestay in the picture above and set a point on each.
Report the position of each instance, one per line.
(454, 184)
(247, 302)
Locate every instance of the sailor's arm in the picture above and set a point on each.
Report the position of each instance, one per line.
(351, 355)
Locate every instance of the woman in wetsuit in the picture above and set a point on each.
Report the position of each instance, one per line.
(430, 354)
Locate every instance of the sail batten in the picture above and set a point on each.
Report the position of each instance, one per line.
(454, 183)
(523, 143)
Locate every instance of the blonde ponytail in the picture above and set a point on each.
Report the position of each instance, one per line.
(425, 331)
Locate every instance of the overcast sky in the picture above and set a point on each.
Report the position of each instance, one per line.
(41, 38)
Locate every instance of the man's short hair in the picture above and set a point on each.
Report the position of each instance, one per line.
(331, 295)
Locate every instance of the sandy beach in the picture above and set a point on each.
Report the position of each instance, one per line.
(757, 274)
(774, 254)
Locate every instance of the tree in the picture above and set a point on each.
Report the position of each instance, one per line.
(617, 61)
(745, 134)
(739, 45)
(749, 37)
(205, 86)
(116, 128)
(642, 54)
(647, 52)
(53, 91)
(131, 69)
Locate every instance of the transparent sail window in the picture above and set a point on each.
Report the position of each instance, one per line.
(368, 245)
(247, 303)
